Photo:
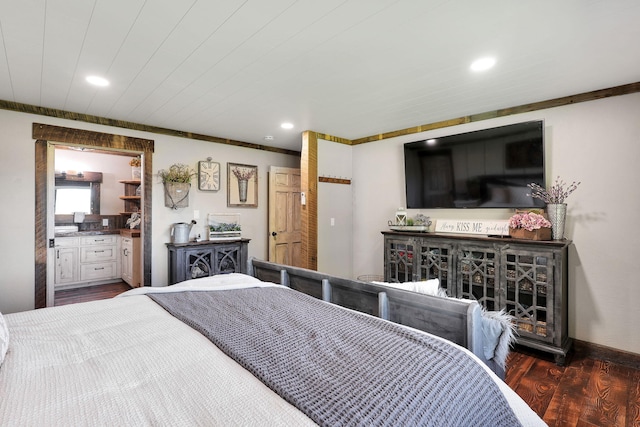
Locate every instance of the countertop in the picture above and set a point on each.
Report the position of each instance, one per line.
(124, 232)
(128, 232)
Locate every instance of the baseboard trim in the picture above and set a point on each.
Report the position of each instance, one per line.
(596, 351)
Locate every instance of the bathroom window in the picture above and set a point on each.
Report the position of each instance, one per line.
(73, 199)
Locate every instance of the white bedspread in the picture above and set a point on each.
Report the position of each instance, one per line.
(126, 361)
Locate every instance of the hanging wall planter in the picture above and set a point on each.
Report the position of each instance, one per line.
(176, 194)
(177, 183)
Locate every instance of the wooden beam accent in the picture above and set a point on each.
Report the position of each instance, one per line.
(62, 114)
(542, 105)
(309, 185)
(331, 180)
(80, 177)
(90, 138)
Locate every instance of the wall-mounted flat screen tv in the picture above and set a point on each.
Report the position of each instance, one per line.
(488, 168)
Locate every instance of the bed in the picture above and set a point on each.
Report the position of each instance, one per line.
(488, 335)
(243, 350)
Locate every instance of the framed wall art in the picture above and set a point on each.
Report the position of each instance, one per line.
(242, 185)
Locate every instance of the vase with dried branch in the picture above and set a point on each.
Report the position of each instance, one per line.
(243, 175)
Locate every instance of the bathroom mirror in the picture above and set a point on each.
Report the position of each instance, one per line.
(78, 193)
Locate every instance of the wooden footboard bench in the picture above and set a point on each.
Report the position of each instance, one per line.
(457, 321)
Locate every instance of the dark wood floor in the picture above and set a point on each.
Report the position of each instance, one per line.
(90, 293)
(588, 391)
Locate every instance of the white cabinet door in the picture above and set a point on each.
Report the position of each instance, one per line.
(127, 260)
(66, 265)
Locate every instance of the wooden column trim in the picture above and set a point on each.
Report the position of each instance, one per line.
(147, 172)
(40, 292)
(309, 185)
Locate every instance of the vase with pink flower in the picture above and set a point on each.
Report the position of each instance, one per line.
(529, 225)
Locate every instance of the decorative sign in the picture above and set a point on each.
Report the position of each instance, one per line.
(473, 226)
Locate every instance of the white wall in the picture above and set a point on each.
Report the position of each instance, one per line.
(335, 246)
(596, 142)
(253, 220)
(17, 194)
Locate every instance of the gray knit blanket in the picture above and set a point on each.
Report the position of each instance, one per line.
(343, 368)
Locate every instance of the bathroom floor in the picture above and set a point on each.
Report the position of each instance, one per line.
(90, 293)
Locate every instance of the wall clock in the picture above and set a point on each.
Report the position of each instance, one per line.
(208, 175)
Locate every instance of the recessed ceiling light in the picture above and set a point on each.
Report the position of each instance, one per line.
(287, 125)
(483, 64)
(97, 81)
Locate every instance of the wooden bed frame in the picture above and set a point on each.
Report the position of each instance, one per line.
(457, 321)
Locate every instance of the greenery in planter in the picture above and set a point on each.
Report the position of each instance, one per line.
(178, 172)
(223, 226)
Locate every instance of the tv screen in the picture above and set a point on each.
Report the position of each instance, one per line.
(489, 168)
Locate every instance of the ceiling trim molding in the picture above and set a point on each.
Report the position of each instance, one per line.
(87, 118)
(542, 105)
(332, 138)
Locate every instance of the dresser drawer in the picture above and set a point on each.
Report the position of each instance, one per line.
(102, 270)
(67, 241)
(103, 239)
(98, 253)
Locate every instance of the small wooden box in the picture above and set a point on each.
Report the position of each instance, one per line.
(539, 234)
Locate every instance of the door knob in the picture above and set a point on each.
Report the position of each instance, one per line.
(274, 234)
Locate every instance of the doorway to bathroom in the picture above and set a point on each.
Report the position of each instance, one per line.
(47, 137)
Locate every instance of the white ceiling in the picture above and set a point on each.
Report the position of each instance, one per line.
(237, 69)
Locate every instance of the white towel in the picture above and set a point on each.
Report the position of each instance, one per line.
(78, 217)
